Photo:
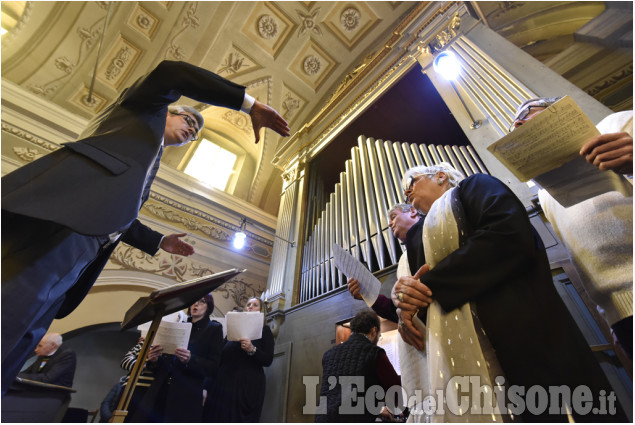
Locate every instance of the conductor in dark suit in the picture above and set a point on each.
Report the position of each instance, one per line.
(55, 364)
(63, 215)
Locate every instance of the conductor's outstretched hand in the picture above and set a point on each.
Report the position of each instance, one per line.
(174, 245)
(265, 116)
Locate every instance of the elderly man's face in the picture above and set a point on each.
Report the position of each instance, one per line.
(179, 129)
(401, 222)
(45, 347)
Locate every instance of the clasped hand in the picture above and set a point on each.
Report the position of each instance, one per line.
(409, 295)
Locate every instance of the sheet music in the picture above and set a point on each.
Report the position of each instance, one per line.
(244, 325)
(388, 342)
(369, 285)
(547, 149)
(170, 335)
(414, 364)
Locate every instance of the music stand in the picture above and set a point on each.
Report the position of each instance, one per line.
(153, 308)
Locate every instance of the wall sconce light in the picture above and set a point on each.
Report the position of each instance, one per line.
(240, 236)
(446, 65)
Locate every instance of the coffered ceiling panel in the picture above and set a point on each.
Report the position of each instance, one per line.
(350, 21)
(269, 27)
(236, 63)
(312, 64)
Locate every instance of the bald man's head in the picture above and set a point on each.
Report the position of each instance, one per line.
(49, 344)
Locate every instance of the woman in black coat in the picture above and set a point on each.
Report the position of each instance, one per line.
(176, 395)
(238, 392)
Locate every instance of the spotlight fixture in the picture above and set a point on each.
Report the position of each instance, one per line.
(447, 66)
(240, 235)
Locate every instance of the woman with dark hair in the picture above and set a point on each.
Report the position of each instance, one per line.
(238, 392)
(176, 394)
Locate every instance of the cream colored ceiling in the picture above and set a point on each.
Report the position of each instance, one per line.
(292, 55)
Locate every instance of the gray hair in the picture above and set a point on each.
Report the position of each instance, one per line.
(403, 207)
(454, 176)
(55, 338)
(541, 101)
(179, 109)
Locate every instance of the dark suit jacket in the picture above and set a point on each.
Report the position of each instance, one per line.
(58, 370)
(94, 185)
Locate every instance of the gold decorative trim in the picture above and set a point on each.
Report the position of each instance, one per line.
(444, 37)
(360, 72)
(612, 80)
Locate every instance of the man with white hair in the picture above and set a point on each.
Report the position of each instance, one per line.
(54, 364)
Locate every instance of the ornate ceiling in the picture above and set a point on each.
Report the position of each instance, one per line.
(291, 55)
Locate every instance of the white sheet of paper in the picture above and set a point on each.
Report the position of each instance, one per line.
(369, 285)
(244, 325)
(170, 335)
(388, 342)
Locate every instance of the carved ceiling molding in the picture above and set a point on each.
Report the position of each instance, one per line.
(180, 269)
(237, 63)
(309, 25)
(614, 79)
(269, 27)
(143, 22)
(351, 22)
(190, 20)
(29, 137)
(15, 31)
(356, 77)
(86, 37)
(223, 226)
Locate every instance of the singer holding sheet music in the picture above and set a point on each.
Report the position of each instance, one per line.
(487, 279)
(176, 394)
(238, 392)
(598, 232)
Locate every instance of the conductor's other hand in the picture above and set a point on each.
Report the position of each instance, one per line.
(611, 151)
(265, 116)
(174, 245)
(353, 288)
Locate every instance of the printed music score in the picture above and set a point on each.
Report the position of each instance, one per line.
(547, 150)
(170, 335)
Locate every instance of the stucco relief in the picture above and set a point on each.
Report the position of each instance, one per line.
(180, 269)
(28, 154)
(88, 35)
(190, 20)
(30, 138)
(309, 23)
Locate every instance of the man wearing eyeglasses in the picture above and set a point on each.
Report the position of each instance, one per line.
(598, 232)
(63, 214)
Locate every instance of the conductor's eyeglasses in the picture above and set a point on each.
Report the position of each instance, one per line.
(190, 122)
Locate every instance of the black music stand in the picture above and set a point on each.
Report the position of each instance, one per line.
(34, 401)
(153, 308)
